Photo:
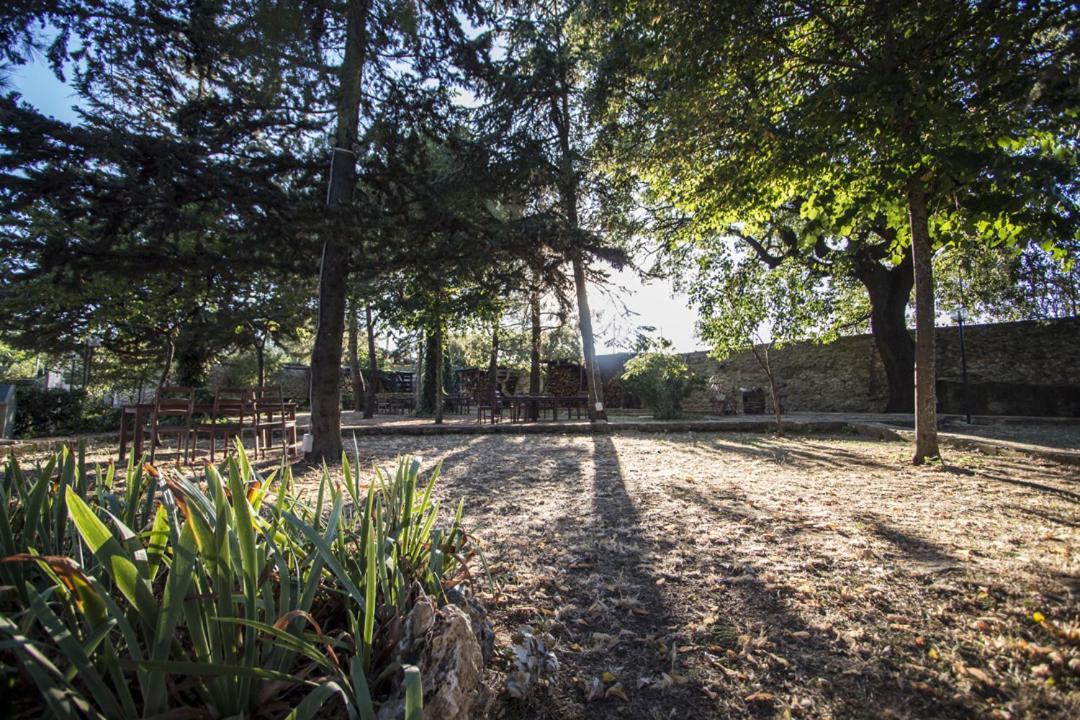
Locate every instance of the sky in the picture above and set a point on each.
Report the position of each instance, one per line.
(620, 307)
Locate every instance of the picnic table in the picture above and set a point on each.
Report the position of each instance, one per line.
(531, 407)
(133, 420)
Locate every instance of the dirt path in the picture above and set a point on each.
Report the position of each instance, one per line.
(726, 575)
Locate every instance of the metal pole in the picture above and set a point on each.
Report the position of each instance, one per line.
(963, 368)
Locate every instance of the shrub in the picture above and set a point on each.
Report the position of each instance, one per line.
(661, 379)
(226, 598)
(41, 412)
(45, 413)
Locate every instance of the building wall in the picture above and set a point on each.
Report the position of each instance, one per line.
(847, 376)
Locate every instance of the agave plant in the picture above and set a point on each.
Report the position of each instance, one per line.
(227, 598)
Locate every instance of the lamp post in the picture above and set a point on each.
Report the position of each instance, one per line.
(960, 317)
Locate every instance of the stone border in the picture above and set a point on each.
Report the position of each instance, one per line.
(19, 448)
(587, 428)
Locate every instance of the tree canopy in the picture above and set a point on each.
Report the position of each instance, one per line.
(239, 169)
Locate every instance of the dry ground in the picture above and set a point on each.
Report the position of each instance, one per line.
(729, 575)
(726, 575)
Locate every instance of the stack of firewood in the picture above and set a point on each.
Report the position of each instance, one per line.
(563, 379)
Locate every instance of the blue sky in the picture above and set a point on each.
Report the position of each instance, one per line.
(621, 307)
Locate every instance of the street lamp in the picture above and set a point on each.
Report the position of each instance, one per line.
(960, 316)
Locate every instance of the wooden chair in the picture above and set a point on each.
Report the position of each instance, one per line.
(233, 413)
(177, 403)
(271, 417)
(494, 411)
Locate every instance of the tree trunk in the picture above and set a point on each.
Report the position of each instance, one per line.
(568, 189)
(438, 369)
(372, 385)
(170, 350)
(260, 363)
(766, 364)
(431, 352)
(926, 442)
(588, 346)
(493, 370)
(355, 377)
(334, 268)
(534, 342)
(889, 290)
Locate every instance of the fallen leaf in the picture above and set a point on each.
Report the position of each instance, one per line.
(762, 697)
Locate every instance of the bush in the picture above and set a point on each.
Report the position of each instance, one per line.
(138, 595)
(46, 413)
(42, 413)
(661, 379)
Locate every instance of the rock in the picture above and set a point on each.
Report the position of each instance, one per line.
(392, 709)
(452, 666)
(485, 634)
(417, 625)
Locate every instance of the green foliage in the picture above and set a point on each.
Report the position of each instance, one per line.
(992, 285)
(42, 413)
(744, 306)
(57, 412)
(800, 127)
(16, 364)
(660, 378)
(837, 107)
(258, 599)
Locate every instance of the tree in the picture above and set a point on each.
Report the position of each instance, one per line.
(660, 378)
(467, 252)
(379, 37)
(537, 103)
(864, 258)
(939, 120)
(186, 156)
(334, 265)
(1026, 284)
(758, 309)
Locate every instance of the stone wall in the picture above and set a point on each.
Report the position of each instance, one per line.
(847, 376)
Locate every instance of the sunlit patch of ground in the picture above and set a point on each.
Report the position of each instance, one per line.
(732, 575)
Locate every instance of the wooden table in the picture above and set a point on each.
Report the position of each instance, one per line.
(528, 407)
(133, 419)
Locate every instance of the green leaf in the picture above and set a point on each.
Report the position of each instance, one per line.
(414, 693)
(121, 568)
